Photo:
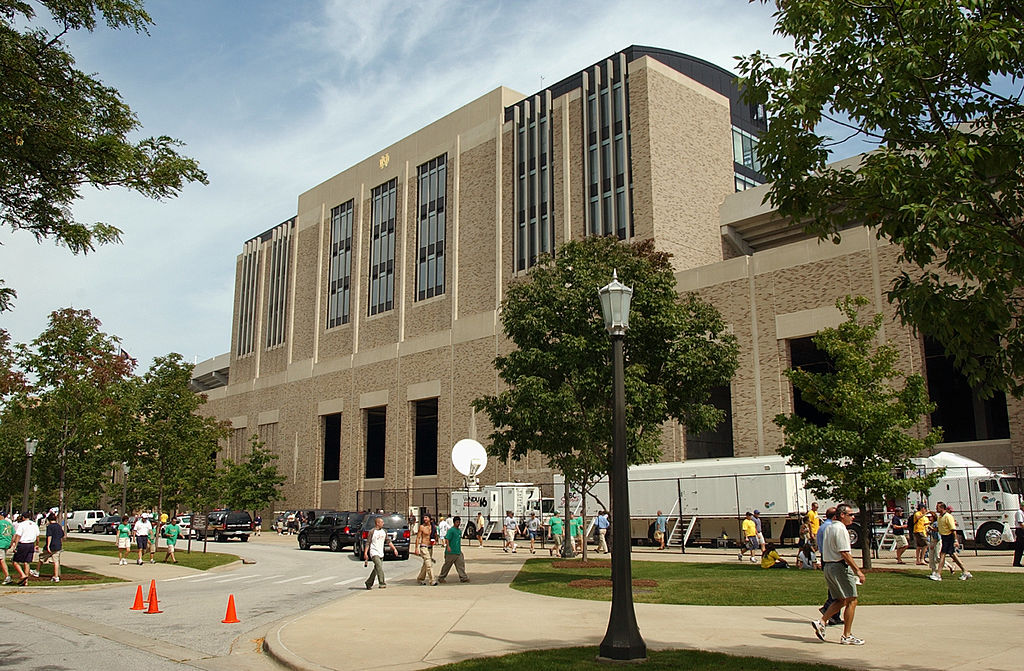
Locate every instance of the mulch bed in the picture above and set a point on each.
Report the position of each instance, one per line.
(576, 563)
(589, 583)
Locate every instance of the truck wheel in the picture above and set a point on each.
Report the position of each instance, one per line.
(335, 544)
(471, 531)
(303, 543)
(245, 538)
(854, 531)
(990, 536)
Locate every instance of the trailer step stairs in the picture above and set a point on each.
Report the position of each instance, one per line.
(679, 536)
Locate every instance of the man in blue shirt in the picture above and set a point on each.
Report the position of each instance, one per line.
(660, 525)
(602, 525)
(830, 517)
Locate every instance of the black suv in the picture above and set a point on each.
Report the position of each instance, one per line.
(223, 524)
(106, 525)
(333, 529)
(398, 532)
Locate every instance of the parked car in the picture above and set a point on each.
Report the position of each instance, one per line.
(106, 524)
(223, 524)
(185, 522)
(398, 532)
(333, 529)
(82, 520)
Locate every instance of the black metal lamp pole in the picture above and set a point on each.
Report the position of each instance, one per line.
(622, 641)
(124, 487)
(30, 450)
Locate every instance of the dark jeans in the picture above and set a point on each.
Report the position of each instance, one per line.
(1018, 546)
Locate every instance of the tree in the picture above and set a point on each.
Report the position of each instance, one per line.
(558, 400)
(922, 81)
(61, 129)
(862, 454)
(252, 483)
(76, 371)
(170, 447)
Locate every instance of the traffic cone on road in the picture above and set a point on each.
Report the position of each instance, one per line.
(154, 605)
(230, 617)
(139, 603)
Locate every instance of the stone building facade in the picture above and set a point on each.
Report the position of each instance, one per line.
(365, 325)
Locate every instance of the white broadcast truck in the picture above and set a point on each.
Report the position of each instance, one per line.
(522, 498)
(706, 499)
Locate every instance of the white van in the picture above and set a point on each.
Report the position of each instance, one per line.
(82, 520)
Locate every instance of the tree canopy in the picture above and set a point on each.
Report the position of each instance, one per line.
(62, 129)
(558, 400)
(862, 454)
(935, 87)
(252, 483)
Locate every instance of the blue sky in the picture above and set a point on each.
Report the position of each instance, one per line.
(274, 97)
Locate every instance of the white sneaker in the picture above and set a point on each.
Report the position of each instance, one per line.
(753, 560)
(851, 640)
(936, 577)
(7, 580)
(54, 579)
(740, 556)
(965, 576)
(33, 573)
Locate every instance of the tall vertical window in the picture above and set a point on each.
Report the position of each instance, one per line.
(805, 355)
(332, 446)
(376, 440)
(277, 298)
(247, 296)
(382, 247)
(716, 442)
(606, 138)
(535, 227)
(426, 437)
(339, 288)
(744, 149)
(431, 230)
(961, 412)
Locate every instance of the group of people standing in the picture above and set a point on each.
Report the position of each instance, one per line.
(935, 539)
(145, 533)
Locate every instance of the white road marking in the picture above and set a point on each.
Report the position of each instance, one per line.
(347, 582)
(298, 577)
(237, 577)
(313, 582)
(211, 577)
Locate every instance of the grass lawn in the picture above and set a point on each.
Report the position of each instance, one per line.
(581, 659)
(745, 584)
(69, 577)
(196, 559)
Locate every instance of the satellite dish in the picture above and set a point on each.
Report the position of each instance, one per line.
(469, 457)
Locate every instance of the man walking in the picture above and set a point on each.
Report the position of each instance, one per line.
(899, 532)
(830, 517)
(25, 534)
(555, 528)
(749, 532)
(422, 548)
(760, 531)
(510, 532)
(533, 530)
(920, 529)
(949, 545)
(814, 519)
(841, 575)
(141, 530)
(1018, 533)
(602, 524)
(52, 550)
(453, 552)
(374, 550)
(660, 526)
(124, 541)
(7, 537)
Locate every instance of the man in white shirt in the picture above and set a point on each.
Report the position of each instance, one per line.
(141, 530)
(841, 575)
(510, 532)
(26, 532)
(374, 550)
(1018, 533)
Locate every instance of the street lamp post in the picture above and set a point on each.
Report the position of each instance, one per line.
(622, 641)
(124, 485)
(30, 449)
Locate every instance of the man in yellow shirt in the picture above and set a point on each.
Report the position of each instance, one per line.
(950, 546)
(813, 519)
(749, 541)
(920, 528)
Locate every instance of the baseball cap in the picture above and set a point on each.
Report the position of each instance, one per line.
(757, 512)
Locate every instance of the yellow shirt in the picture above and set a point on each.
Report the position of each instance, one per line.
(769, 558)
(946, 524)
(812, 519)
(920, 522)
(749, 528)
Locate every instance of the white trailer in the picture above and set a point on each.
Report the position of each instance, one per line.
(521, 498)
(715, 491)
(983, 501)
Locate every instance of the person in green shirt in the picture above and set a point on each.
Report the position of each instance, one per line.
(576, 531)
(171, 532)
(453, 552)
(6, 536)
(557, 532)
(124, 541)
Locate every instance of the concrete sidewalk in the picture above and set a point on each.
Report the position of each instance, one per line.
(429, 626)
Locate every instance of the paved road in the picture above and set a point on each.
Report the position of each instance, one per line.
(92, 627)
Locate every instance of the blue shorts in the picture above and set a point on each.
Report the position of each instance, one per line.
(142, 542)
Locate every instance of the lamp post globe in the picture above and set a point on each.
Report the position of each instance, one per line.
(622, 641)
(30, 449)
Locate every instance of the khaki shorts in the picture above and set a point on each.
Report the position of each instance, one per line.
(841, 581)
(124, 543)
(46, 555)
(901, 541)
(658, 535)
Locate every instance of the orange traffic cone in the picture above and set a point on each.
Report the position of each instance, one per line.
(154, 605)
(139, 604)
(230, 617)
